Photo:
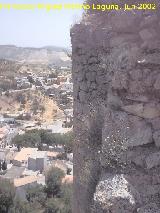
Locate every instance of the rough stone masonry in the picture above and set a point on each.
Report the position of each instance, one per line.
(116, 74)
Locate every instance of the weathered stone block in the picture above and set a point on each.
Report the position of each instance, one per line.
(143, 110)
(149, 208)
(116, 194)
(139, 160)
(149, 190)
(149, 21)
(147, 34)
(135, 109)
(140, 132)
(149, 81)
(93, 86)
(101, 79)
(93, 60)
(114, 100)
(157, 83)
(120, 81)
(152, 58)
(156, 137)
(83, 86)
(156, 179)
(136, 87)
(155, 123)
(138, 98)
(83, 96)
(91, 76)
(136, 74)
(153, 160)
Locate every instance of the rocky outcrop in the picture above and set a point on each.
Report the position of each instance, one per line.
(116, 74)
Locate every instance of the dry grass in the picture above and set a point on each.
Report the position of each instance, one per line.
(34, 99)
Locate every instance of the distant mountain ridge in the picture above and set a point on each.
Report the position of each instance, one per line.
(33, 55)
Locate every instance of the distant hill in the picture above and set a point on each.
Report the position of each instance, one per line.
(43, 55)
(10, 68)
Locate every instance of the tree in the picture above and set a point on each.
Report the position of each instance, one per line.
(46, 137)
(36, 194)
(7, 93)
(19, 147)
(40, 147)
(52, 75)
(68, 144)
(53, 205)
(7, 194)
(21, 98)
(53, 181)
(69, 171)
(20, 207)
(35, 105)
(35, 138)
(64, 139)
(4, 165)
(62, 156)
(66, 197)
(27, 140)
(61, 204)
(30, 79)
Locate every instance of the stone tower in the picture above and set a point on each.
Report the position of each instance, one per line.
(116, 74)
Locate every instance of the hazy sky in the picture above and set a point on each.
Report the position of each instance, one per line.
(37, 28)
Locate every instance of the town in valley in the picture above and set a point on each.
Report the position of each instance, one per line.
(36, 116)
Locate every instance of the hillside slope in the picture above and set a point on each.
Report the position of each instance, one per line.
(44, 55)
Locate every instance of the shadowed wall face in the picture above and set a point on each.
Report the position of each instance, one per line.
(116, 74)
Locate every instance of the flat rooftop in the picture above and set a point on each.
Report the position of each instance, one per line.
(14, 172)
(24, 154)
(24, 181)
(38, 154)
